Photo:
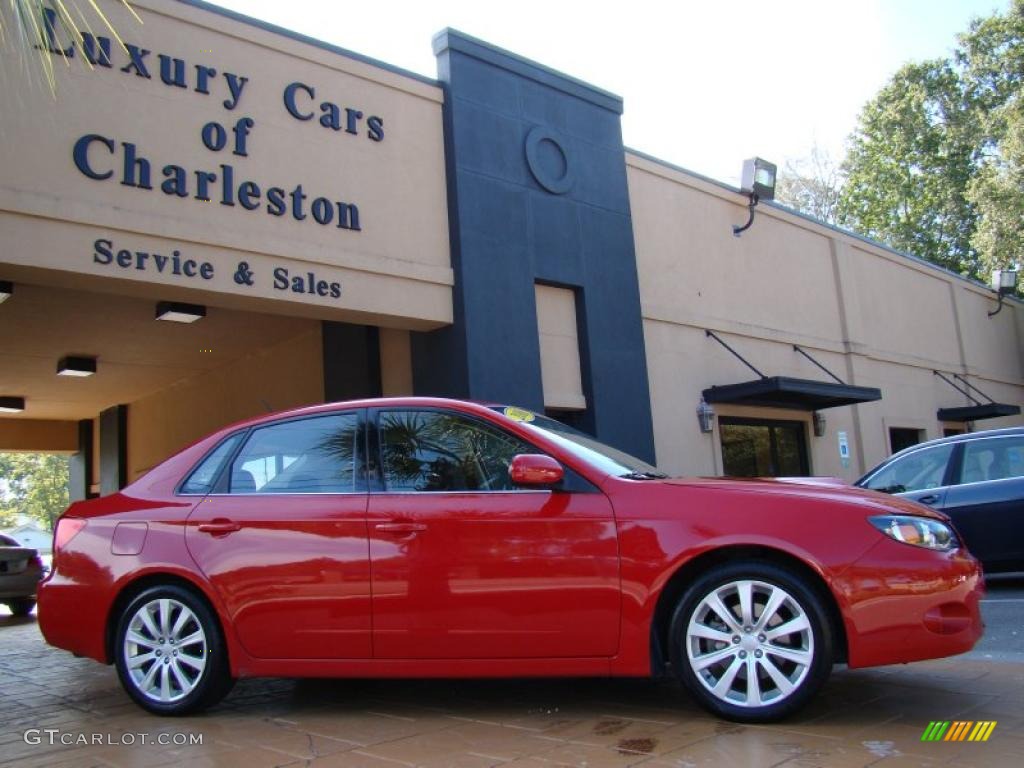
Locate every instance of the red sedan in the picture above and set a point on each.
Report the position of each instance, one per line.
(436, 538)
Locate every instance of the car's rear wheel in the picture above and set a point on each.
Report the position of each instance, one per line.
(751, 642)
(170, 652)
(21, 606)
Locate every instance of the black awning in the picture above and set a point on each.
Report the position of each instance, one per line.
(978, 412)
(786, 392)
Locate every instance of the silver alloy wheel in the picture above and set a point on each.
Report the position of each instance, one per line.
(750, 643)
(165, 650)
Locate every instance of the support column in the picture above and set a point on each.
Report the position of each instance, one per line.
(80, 464)
(113, 449)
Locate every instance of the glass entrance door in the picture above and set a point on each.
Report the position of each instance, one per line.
(763, 448)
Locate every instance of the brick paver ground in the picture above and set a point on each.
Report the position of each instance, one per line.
(867, 717)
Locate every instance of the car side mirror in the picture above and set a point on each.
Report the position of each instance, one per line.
(535, 469)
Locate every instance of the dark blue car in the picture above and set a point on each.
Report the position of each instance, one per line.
(977, 479)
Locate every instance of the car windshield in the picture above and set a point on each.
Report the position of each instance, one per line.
(582, 445)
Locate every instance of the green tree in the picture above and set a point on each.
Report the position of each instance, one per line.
(909, 164)
(34, 485)
(992, 55)
(935, 164)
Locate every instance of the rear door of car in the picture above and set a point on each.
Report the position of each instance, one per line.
(987, 502)
(282, 538)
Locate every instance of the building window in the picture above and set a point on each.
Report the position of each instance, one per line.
(763, 448)
(559, 349)
(903, 437)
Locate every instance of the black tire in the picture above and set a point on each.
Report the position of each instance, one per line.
(21, 606)
(715, 660)
(188, 689)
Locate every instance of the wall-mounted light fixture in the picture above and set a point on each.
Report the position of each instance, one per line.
(176, 312)
(758, 183)
(12, 404)
(1004, 282)
(76, 366)
(6, 290)
(818, 420)
(705, 416)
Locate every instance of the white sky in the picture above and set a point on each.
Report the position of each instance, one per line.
(706, 83)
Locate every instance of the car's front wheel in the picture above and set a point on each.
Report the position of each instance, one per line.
(751, 642)
(170, 652)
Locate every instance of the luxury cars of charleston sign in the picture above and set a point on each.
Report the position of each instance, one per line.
(109, 158)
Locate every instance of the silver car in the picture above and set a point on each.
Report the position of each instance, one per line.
(20, 571)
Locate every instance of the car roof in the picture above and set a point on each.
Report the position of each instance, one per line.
(965, 437)
(376, 402)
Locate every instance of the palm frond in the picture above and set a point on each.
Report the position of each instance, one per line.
(25, 26)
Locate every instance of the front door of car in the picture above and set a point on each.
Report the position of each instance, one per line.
(466, 565)
(283, 540)
(987, 504)
(922, 476)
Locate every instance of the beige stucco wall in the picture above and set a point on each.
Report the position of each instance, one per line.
(873, 317)
(41, 435)
(395, 271)
(395, 363)
(285, 375)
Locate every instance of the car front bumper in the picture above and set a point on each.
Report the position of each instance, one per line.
(906, 603)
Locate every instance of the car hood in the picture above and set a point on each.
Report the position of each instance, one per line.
(826, 489)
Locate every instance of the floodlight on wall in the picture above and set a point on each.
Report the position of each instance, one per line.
(705, 416)
(758, 183)
(76, 366)
(818, 421)
(12, 404)
(176, 312)
(6, 290)
(1004, 282)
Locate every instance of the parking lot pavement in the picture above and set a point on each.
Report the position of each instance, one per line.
(52, 706)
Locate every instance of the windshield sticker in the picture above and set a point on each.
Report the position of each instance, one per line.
(519, 414)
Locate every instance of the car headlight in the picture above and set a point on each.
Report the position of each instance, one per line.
(918, 531)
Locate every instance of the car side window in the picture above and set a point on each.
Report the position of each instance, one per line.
(917, 471)
(995, 458)
(315, 455)
(443, 451)
(203, 477)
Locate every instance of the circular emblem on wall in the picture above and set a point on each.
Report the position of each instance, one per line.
(549, 161)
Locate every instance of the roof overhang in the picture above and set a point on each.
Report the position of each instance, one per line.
(794, 394)
(978, 412)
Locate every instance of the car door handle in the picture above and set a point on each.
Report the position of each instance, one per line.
(931, 498)
(401, 527)
(219, 527)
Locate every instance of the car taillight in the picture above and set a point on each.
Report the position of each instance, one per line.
(67, 529)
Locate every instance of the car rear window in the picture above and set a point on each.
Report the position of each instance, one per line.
(205, 475)
(993, 459)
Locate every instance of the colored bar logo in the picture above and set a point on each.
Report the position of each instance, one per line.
(958, 730)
